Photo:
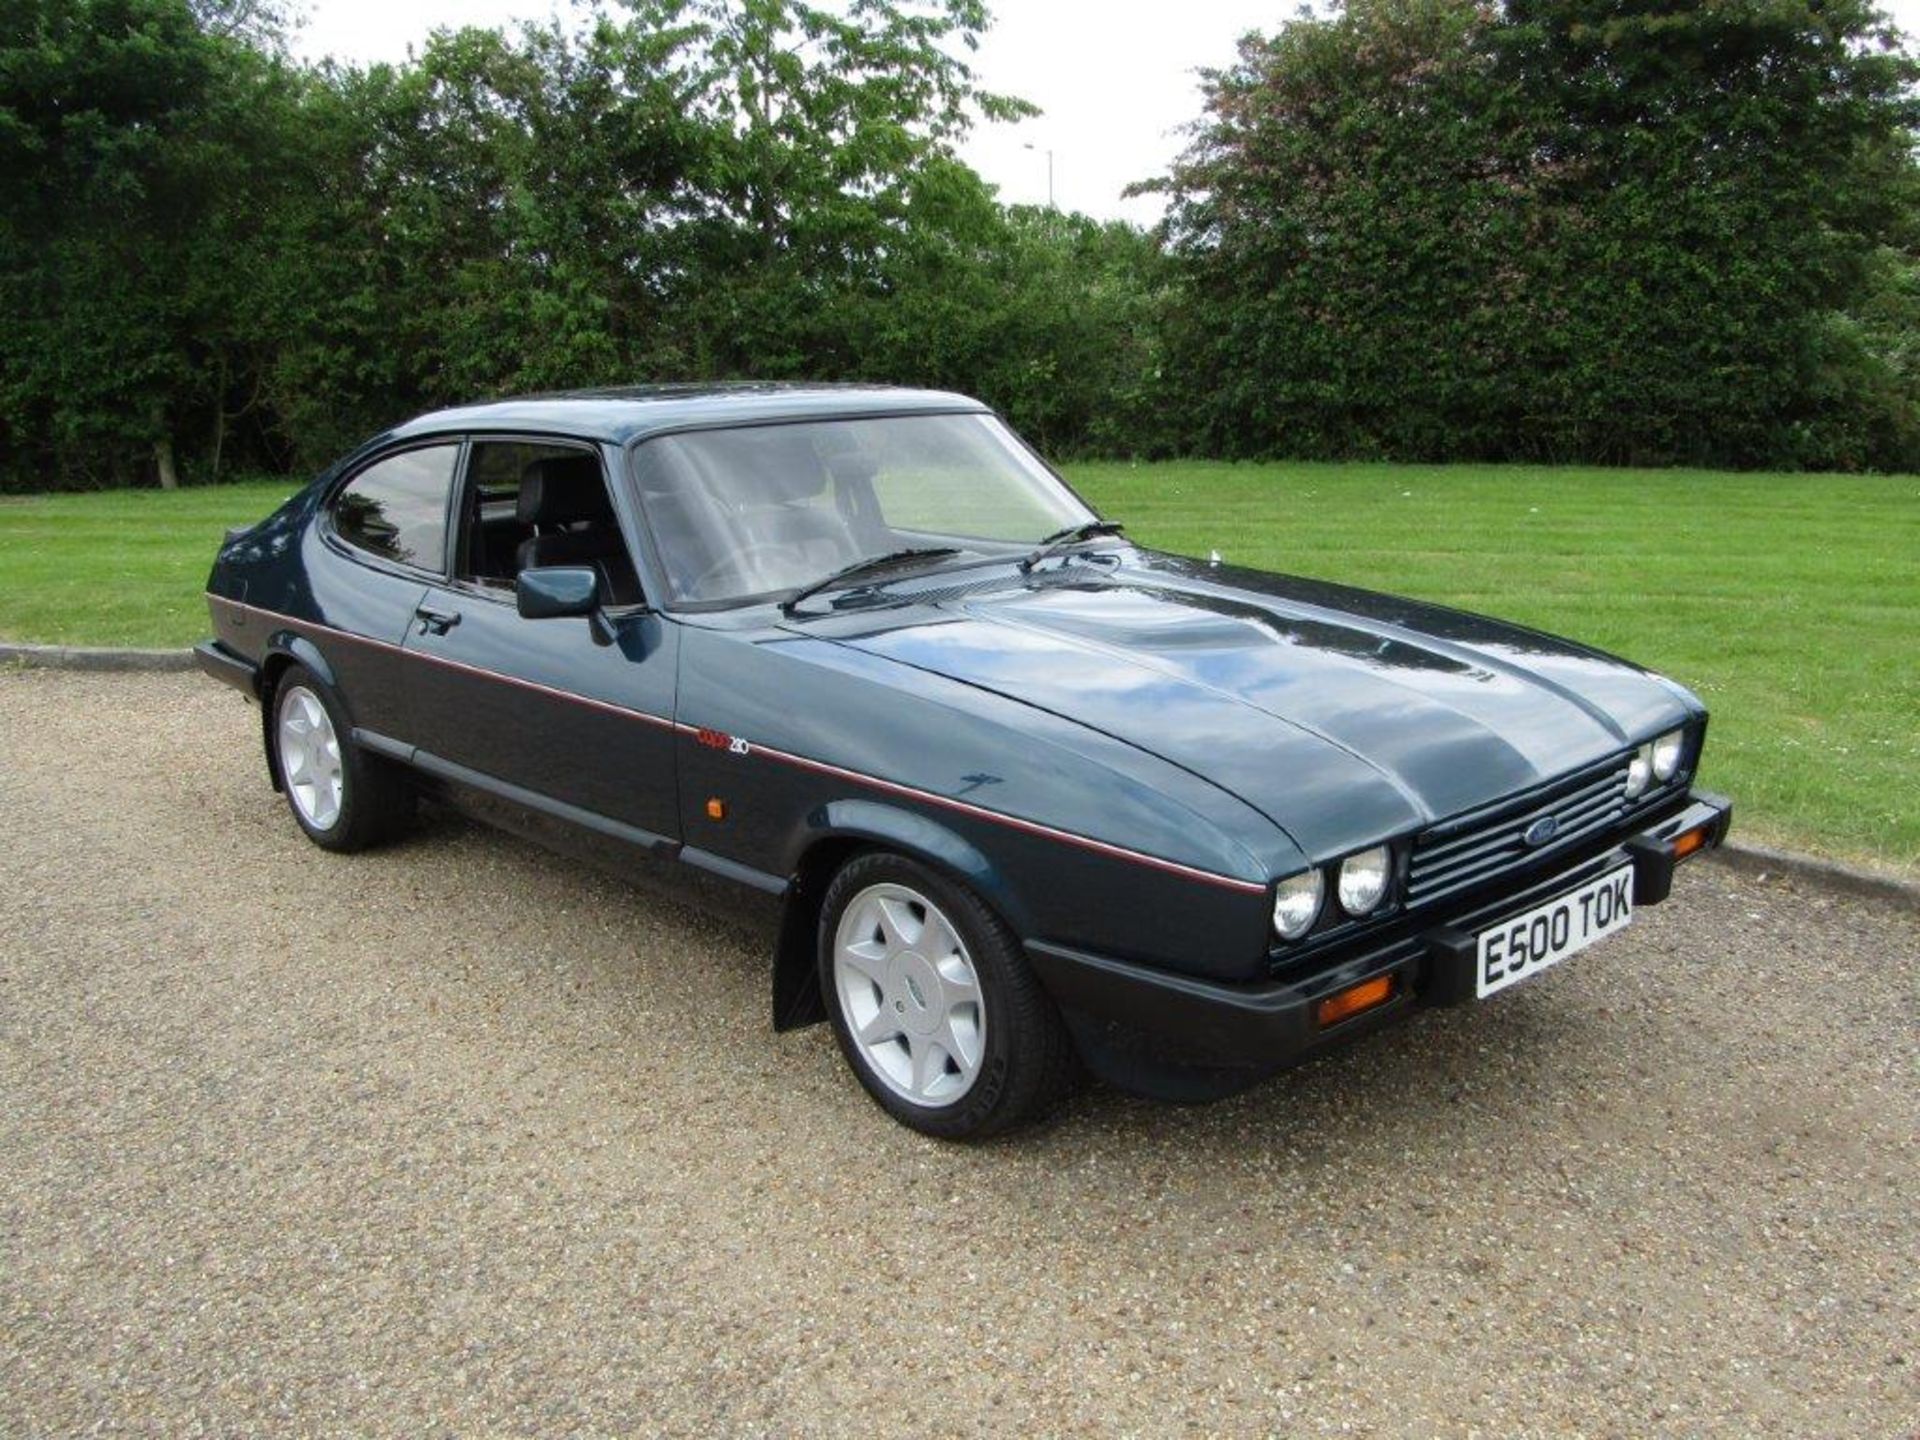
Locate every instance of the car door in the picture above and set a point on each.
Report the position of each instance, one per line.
(380, 543)
(568, 717)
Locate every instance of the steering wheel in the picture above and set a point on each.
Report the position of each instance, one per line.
(736, 560)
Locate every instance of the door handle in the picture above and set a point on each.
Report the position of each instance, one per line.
(436, 622)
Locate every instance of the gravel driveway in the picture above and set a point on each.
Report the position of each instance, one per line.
(450, 1139)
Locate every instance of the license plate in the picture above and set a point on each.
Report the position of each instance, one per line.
(1528, 943)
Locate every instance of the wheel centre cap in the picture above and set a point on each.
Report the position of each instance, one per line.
(914, 994)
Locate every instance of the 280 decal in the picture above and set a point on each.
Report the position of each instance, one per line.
(720, 740)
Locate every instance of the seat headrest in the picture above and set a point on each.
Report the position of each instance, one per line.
(853, 467)
(769, 465)
(561, 490)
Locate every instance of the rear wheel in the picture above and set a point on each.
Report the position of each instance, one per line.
(342, 797)
(934, 1004)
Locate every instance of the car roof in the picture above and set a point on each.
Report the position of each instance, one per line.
(632, 412)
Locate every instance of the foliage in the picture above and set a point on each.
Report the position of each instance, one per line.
(1607, 229)
(1603, 229)
(128, 137)
(253, 263)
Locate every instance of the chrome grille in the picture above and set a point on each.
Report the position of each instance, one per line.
(1451, 857)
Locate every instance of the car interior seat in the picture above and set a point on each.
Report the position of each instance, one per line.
(564, 499)
(768, 479)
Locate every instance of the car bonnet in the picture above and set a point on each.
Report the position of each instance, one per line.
(1341, 725)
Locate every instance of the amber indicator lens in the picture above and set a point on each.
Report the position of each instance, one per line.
(1351, 1001)
(1685, 844)
(716, 809)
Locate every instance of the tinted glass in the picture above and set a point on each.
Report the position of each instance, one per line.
(758, 510)
(398, 508)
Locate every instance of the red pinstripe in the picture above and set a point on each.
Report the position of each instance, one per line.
(625, 711)
(946, 802)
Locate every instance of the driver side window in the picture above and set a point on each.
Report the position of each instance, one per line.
(528, 504)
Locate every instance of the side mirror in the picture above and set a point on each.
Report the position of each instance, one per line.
(551, 591)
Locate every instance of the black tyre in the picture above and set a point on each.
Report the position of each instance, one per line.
(344, 798)
(934, 1004)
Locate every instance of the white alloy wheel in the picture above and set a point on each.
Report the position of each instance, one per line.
(909, 994)
(310, 757)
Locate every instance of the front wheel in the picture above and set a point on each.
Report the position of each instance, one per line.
(934, 1004)
(342, 797)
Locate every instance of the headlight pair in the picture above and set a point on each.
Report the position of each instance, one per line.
(1658, 759)
(1361, 883)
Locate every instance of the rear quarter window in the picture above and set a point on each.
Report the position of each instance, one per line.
(397, 508)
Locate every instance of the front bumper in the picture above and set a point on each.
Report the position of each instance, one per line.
(1180, 1037)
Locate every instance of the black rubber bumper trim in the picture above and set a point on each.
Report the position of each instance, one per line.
(1269, 1025)
(228, 668)
(1652, 848)
(1207, 1023)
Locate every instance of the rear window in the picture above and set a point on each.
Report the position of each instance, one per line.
(397, 508)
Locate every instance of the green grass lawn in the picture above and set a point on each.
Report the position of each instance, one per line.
(1790, 603)
(123, 567)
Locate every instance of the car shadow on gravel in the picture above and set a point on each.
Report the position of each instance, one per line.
(1600, 1069)
(1440, 1083)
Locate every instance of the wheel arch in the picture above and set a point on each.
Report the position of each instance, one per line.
(836, 833)
(286, 649)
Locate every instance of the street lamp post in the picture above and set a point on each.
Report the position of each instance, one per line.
(1049, 150)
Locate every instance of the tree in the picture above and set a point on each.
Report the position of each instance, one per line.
(506, 210)
(137, 148)
(1052, 318)
(821, 131)
(1600, 229)
(218, 253)
(682, 191)
(261, 23)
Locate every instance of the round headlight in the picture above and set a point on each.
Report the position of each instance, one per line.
(1296, 904)
(1363, 879)
(1667, 751)
(1640, 772)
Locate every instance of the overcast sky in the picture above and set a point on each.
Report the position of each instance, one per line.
(1116, 78)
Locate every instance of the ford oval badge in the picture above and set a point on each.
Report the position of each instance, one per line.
(1541, 830)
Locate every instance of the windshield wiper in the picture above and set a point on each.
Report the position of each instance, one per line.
(1072, 535)
(872, 565)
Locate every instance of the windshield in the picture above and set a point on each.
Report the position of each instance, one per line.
(766, 509)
